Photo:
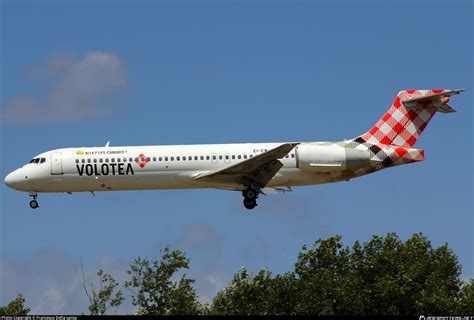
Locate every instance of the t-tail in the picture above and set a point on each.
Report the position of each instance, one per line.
(392, 138)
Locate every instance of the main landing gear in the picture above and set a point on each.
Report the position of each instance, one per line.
(33, 203)
(250, 198)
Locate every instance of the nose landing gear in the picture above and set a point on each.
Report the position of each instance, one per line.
(33, 203)
(250, 198)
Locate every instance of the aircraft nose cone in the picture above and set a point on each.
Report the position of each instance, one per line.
(9, 179)
(14, 179)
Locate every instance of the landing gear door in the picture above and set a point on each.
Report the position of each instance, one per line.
(56, 163)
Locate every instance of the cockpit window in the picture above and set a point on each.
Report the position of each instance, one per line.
(38, 160)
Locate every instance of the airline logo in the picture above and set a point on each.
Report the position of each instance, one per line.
(111, 168)
(142, 160)
(105, 169)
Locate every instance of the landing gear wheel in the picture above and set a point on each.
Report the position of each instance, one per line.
(34, 204)
(250, 193)
(250, 203)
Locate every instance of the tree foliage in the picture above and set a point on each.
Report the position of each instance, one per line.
(260, 294)
(154, 289)
(381, 276)
(466, 302)
(105, 298)
(15, 307)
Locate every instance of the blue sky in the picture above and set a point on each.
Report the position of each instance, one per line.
(137, 73)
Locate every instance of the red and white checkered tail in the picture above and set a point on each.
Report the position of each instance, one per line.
(408, 116)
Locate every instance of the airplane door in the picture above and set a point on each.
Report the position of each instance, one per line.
(56, 163)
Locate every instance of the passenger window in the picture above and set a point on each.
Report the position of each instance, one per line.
(148, 159)
(207, 157)
(77, 160)
(88, 160)
(83, 161)
(177, 158)
(292, 155)
(287, 156)
(214, 157)
(166, 158)
(160, 158)
(130, 159)
(107, 160)
(202, 157)
(233, 157)
(196, 157)
(124, 159)
(172, 158)
(154, 158)
(245, 156)
(112, 160)
(95, 160)
(239, 157)
(220, 157)
(251, 156)
(227, 157)
(101, 160)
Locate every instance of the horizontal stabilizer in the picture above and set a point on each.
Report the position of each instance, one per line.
(438, 100)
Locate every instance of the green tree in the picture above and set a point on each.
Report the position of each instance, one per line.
(15, 307)
(466, 302)
(154, 290)
(259, 294)
(105, 298)
(322, 273)
(382, 276)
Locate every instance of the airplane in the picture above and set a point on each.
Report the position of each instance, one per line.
(252, 168)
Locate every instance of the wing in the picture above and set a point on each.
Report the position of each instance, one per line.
(256, 170)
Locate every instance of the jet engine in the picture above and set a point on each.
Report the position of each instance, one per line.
(312, 157)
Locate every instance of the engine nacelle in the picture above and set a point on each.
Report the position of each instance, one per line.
(312, 157)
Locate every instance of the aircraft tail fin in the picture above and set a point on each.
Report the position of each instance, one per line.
(407, 117)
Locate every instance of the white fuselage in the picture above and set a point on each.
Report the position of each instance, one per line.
(170, 167)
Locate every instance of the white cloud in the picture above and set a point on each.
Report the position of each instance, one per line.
(76, 89)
